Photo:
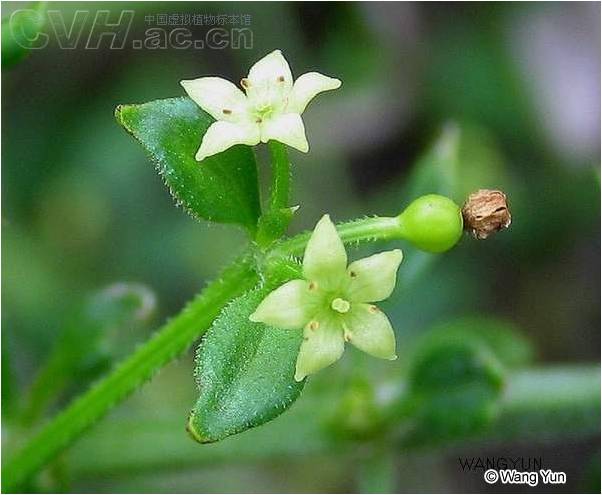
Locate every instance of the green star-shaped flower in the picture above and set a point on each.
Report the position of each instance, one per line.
(333, 303)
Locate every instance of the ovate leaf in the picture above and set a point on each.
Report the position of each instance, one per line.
(245, 372)
(222, 188)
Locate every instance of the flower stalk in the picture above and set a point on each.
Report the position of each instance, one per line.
(281, 176)
(274, 221)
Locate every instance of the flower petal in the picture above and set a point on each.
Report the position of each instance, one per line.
(306, 87)
(369, 329)
(323, 344)
(218, 97)
(271, 69)
(287, 129)
(373, 278)
(222, 135)
(288, 307)
(325, 257)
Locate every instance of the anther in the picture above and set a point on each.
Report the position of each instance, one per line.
(352, 274)
(346, 333)
(280, 78)
(245, 83)
(373, 309)
(312, 286)
(314, 325)
(226, 111)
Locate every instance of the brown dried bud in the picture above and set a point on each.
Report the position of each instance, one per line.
(486, 212)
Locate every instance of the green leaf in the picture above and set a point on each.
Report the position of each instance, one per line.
(222, 188)
(455, 389)
(245, 372)
(502, 338)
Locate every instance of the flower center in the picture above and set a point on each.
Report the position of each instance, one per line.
(340, 305)
(263, 110)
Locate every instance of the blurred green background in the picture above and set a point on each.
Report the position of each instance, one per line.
(96, 255)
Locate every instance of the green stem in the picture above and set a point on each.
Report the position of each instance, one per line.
(274, 222)
(281, 175)
(370, 229)
(170, 341)
(46, 387)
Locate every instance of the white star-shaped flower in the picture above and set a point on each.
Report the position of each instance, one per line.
(333, 303)
(270, 109)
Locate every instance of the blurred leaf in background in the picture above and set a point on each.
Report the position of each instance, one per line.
(98, 334)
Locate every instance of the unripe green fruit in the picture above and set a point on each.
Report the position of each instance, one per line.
(432, 223)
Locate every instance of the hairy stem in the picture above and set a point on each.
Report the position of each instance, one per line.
(281, 175)
(170, 341)
(274, 222)
(356, 231)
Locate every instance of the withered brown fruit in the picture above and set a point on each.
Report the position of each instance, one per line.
(486, 212)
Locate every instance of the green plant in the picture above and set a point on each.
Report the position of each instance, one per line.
(247, 367)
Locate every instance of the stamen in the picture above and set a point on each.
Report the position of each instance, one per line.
(258, 120)
(245, 83)
(314, 325)
(312, 286)
(340, 305)
(373, 309)
(352, 274)
(226, 111)
(346, 333)
(280, 79)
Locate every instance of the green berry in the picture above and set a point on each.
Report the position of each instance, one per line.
(432, 223)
